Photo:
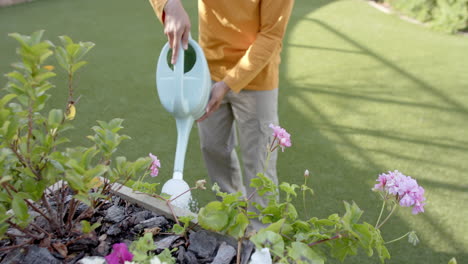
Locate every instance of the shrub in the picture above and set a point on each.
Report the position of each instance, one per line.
(31, 157)
(448, 16)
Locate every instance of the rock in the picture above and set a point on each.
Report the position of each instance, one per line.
(14, 257)
(103, 249)
(114, 230)
(158, 221)
(115, 214)
(190, 258)
(83, 245)
(38, 255)
(166, 242)
(247, 249)
(181, 253)
(202, 244)
(225, 254)
(80, 209)
(139, 217)
(16, 234)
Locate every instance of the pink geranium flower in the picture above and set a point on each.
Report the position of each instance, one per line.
(283, 137)
(155, 165)
(403, 188)
(119, 254)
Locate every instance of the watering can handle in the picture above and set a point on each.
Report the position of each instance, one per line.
(179, 76)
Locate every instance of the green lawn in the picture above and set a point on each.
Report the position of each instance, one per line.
(361, 93)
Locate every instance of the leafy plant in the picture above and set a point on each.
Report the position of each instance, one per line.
(448, 16)
(37, 174)
(292, 240)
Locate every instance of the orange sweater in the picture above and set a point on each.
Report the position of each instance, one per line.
(241, 39)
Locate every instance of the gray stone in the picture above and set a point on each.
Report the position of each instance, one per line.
(247, 250)
(39, 255)
(83, 245)
(166, 242)
(202, 244)
(115, 214)
(190, 258)
(158, 221)
(17, 235)
(114, 230)
(139, 217)
(225, 254)
(181, 254)
(14, 257)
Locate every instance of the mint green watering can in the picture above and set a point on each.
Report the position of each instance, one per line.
(184, 95)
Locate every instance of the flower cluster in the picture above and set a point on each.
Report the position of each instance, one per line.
(284, 138)
(119, 255)
(155, 165)
(405, 189)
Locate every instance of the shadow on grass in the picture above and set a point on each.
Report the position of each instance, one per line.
(329, 177)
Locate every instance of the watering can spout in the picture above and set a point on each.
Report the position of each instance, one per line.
(184, 125)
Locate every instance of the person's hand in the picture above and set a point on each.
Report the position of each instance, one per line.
(218, 91)
(176, 27)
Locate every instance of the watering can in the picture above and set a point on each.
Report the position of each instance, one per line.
(185, 96)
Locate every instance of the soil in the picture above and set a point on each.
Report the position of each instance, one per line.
(121, 222)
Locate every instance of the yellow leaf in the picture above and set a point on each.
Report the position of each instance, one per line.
(95, 183)
(49, 67)
(71, 111)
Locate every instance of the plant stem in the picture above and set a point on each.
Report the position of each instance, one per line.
(388, 216)
(239, 247)
(17, 246)
(168, 202)
(325, 240)
(395, 240)
(251, 195)
(381, 212)
(189, 190)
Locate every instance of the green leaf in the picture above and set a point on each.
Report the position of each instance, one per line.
(55, 118)
(302, 253)
(166, 256)
(289, 188)
(178, 230)
(276, 226)
(85, 227)
(365, 237)
(36, 37)
(214, 216)
(44, 76)
(343, 247)
(241, 222)
(20, 208)
(34, 187)
(4, 197)
(62, 58)
(413, 238)
(269, 239)
(351, 217)
(78, 65)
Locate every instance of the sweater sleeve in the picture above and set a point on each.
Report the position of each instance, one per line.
(274, 17)
(158, 6)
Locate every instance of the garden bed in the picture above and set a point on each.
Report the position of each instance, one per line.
(123, 219)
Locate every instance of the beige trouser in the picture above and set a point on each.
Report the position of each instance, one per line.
(251, 112)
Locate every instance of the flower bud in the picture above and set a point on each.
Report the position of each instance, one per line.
(200, 184)
(306, 173)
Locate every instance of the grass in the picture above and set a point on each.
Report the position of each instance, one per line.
(361, 93)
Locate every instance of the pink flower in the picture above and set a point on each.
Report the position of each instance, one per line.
(155, 165)
(404, 188)
(284, 138)
(119, 254)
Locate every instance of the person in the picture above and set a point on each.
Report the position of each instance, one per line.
(242, 41)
